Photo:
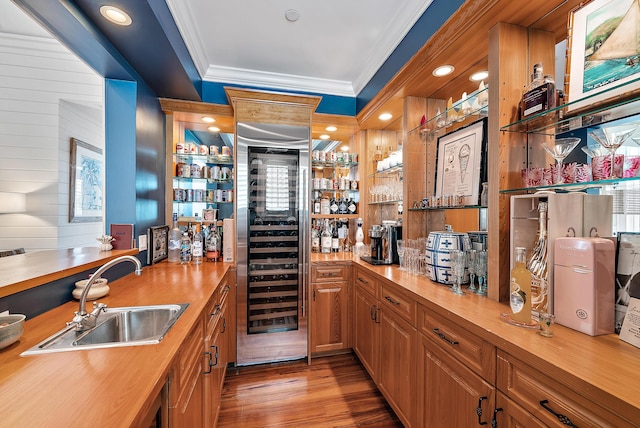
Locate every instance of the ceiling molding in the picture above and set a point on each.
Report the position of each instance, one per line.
(195, 45)
(288, 82)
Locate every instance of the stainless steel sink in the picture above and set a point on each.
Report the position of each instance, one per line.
(126, 326)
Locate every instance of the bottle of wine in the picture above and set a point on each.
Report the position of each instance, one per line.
(538, 264)
(197, 248)
(520, 292)
(325, 239)
(315, 238)
(335, 237)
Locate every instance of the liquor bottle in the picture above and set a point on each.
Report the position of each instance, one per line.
(520, 288)
(190, 231)
(196, 248)
(185, 249)
(325, 239)
(213, 245)
(335, 238)
(342, 205)
(174, 241)
(315, 239)
(538, 264)
(316, 203)
(333, 207)
(351, 206)
(540, 94)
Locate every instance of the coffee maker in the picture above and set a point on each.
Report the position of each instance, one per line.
(384, 238)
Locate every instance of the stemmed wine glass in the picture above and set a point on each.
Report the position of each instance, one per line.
(400, 248)
(458, 263)
(559, 149)
(471, 267)
(612, 138)
(481, 271)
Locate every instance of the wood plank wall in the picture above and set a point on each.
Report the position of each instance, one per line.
(47, 96)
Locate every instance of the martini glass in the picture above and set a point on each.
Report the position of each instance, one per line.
(612, 138)
(559, 149)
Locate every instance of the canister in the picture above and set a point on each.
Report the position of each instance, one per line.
(183, 169)
(188, 195)
(203, 150)
(214, 150)
(218, 197)
(179, 147)
(439, 244)
(198, 195)
(226, 151)
(196, 170)
(215, 172)
(178, 195)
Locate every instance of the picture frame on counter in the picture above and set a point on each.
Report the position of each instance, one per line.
(461, 163)
(602, 53)
(86, 182)
(627, 283)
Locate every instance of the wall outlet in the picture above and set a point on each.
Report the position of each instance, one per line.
(142, 242)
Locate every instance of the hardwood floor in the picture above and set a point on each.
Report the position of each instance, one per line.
(331, 392)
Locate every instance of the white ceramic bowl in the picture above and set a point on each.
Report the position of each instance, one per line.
(100, 282)
(98, 289)
(11, 328)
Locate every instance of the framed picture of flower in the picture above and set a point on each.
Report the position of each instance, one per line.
(86, 182)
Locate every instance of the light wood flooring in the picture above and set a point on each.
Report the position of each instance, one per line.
(331, 392)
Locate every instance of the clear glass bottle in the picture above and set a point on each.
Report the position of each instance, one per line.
(213, 245)
(520, 288)
(538, 264)
(325, 239)
(197, 248)
(175, 235)
(315, 238)
(335, 237)
(185, 249)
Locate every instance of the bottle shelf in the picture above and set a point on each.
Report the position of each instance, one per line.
(395, 201)
(459, 207)
(574, 187)
(216, 160)
(386, 172)
(201, 180)
(475, 105)
(202, 202)
(335, 190)
(335, 216)
(345, 165)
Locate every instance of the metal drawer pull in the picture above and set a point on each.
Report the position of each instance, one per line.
(436, 331)
(390, 300)
(562, 418)
(377, 318)
(362, 280)
(494, 422)
(479, 411)
(216, 311)
(211, 363)
(326, 274)
(224, 325)
(226, 288)
(209, 354)
(372, 313)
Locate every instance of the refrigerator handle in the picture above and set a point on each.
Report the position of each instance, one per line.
(305, 262)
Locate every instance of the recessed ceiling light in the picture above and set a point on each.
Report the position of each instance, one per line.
(208, 119)
(344, 148)
(324, 137)
(480, 75)
(443, 70)
(385, 116)
(213, 129)
(331, 128)
(115, 15)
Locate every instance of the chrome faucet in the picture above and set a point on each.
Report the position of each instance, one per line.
(83, 320)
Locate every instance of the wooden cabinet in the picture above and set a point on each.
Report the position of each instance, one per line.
(329, 302)
(366, 333)
(554, 402)
(187, 382)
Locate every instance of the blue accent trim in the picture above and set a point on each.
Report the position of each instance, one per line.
(120, 151)
(431, 20)
(213, 92)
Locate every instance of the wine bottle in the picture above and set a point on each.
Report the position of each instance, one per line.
(538, 264)
(520, 288)
(335, 238)
(325, 240)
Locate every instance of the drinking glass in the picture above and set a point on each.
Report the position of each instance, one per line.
(611, 138)
(559, 149)
(400, 248)
(471, 267)
(458, 263)
(481, 271)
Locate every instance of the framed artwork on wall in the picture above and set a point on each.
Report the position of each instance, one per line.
(603, 58)
(461, 162)
(86, 182)
(627, 273)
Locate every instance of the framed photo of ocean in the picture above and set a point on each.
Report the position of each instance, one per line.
(603, 53)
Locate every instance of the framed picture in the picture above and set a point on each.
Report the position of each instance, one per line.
(602, 53)
(461, 162)
(86, 183)
(627, 273)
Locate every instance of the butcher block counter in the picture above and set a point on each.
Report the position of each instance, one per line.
(112, 387)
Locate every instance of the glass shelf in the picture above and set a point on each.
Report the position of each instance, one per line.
(318, 164)
(200, 180)
(557, 120)
(218, 160)
(476, 104)
(459, 207)
(203, 202)
(395, 201)
(336, 190)
(331, 216)
(388, 171)
(574, 187)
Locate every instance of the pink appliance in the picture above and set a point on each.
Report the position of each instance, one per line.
(584, 278)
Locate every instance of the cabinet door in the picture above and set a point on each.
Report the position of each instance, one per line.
(190, 410)
(366, 332)
(449, 394)
(509, 415)
(397, 379)
(329, 317)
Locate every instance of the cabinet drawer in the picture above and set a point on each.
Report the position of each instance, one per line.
(366, 281)
(188, 365)
(549, 399)
(400, 302)
(329, 273)
(474, 352)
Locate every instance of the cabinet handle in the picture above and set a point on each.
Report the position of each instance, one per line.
(494, 421)
(390, 300)
(562, 418)
(479, 411)
(372, 312)
(209, 354)
(226, 289)
(211, 363)
(329, 274)
(216, 310)
(314, 294)
(436, 331)
(363, 280)
(224, 325)
(377, 318)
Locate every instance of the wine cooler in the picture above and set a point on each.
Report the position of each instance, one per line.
(272, 242)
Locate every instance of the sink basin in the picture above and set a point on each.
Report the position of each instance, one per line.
(126, 326)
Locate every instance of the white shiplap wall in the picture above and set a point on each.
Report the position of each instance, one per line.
(47, 96)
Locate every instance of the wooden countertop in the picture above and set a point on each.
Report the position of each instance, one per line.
(102, 387)
(31, 269)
